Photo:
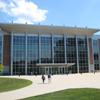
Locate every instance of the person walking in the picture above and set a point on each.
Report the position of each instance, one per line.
(19, 74)
(43, 78)
(49, 78)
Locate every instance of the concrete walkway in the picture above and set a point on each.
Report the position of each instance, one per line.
(59, 82)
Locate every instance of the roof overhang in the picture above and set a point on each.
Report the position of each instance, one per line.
(55, 64)
(56, 30)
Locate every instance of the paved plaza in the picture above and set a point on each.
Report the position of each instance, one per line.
(59, 82)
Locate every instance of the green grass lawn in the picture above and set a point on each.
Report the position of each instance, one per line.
(9, 84)
(70, 94)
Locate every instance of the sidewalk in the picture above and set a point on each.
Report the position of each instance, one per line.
(59, 82)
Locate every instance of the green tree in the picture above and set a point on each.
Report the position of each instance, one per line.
(1, 68)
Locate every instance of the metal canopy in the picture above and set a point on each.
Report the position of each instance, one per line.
(48, 30)
(56, 64)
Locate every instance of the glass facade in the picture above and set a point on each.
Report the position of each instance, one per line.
(96, 54)
(59, 55)
(46, 52)
(18, 55)
(1, 49)
(71, 54)
(83, 54)
(32, 54)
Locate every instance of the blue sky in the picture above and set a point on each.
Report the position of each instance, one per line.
(81, 13)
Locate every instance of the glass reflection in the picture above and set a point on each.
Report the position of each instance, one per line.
(59, 55)
(46, 49)
(96, 54)
(32, 54)
(71, 53)
(82, 54)
(18, 55)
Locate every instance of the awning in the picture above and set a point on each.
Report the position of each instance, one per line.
(48, 30)
(55, 64)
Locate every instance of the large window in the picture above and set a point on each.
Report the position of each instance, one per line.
(32, 54)
(1, 49)
(18, 54)
(59, 55)
(96, 54)
(71, 53)
(82, 54)
(46, 50)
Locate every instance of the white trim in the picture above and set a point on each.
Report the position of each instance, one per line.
(70, 36)
(57, 35)
(39, 47)
(26, 53)
(93, 54)
(81, 36)
(77, 58)
(88, 54)
(12, 53)
(46, 26)
(32, 34)
(55, 64)
(52, 48)
(16, 34)
(65, 48)
(45, 35)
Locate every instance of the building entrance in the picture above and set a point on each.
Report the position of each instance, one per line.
(54, 70)
(48, 70)
(61, 70)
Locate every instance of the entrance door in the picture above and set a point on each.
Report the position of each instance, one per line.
(48, 70)
(61, 70)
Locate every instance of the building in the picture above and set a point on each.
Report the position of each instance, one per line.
(45, 49)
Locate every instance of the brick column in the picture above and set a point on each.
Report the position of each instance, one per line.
(6, 50)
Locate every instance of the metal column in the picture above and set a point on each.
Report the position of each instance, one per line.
(39, 47)
(77, 55)
(52, 48)
(88, 54)
(65, 47)
(12, 53)
(26, 53)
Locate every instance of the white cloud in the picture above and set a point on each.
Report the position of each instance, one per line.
(23, 11)
(2, 6)
(22, 20)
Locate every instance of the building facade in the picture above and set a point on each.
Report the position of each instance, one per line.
(27, 49)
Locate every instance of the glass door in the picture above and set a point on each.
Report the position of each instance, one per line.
(61, 70)
(48, 70)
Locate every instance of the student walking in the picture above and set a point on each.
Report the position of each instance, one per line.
(19, 74)
(49, 78)
(43, 78)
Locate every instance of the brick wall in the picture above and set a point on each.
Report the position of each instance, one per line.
(91, 51)
(6, 50)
